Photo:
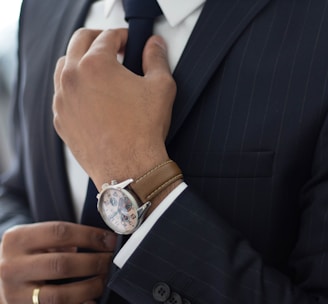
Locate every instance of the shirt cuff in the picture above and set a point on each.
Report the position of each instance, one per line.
(137, 237)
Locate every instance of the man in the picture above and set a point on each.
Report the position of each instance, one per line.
(248, 130)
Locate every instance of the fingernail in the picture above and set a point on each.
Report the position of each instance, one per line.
(160, 42)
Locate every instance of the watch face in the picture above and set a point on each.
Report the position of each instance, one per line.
(118, 208)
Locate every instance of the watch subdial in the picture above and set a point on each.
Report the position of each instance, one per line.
(119, 210)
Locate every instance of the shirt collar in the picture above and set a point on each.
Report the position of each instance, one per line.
(174, 11)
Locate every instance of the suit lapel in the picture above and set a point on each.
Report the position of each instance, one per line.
(218, 27)
(60, 19)
(73, 17)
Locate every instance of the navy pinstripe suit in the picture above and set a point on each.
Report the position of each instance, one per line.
(249, 131)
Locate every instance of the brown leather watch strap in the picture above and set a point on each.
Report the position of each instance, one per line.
(156, 180)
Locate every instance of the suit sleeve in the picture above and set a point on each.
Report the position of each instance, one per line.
(14, 211)
(14, 208)
(205, 260)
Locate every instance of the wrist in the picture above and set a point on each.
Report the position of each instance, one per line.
(123, 205)
(124, 168)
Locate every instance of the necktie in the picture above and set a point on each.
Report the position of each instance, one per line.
(90, 214)
(140, 14)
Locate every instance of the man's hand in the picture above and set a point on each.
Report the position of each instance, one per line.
(33, 255)
(114, 121)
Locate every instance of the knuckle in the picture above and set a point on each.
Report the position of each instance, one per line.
(91, 63)
(12, 231)
(68, 78)
(60, 62)
(59, 265)
(12, 237)
(87, 62)
(61, 231)
(7, 270)
(7, 237)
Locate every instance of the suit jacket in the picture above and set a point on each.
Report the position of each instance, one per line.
(250, 133)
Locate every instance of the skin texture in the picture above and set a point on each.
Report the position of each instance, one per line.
(36, 253)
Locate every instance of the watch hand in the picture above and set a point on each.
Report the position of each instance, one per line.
(113, 215)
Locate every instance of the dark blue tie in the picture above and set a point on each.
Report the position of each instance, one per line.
(90, 214)
(140, 14)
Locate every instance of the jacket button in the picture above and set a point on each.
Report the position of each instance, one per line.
(175, 298)
(161, 292)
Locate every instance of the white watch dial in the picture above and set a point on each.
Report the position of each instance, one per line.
(119, 210)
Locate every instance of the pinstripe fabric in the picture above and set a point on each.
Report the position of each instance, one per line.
(37, 178)
(249, 131)
(253, 148)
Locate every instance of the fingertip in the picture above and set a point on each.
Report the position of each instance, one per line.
(159, 41)
(155, 56)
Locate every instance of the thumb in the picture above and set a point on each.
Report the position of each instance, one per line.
(155, 59)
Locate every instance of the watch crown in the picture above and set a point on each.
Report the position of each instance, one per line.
(104, 186)
(113, 182)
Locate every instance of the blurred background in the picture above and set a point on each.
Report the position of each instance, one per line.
(9, 14)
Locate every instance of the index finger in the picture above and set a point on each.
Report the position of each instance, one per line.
(110, 42)
(42, 236)
(80, 42)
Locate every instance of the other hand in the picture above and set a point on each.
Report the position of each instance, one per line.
(34, 255)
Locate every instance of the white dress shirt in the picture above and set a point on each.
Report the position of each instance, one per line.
(175, 26)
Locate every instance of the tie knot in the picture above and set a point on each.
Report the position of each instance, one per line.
(141, 9)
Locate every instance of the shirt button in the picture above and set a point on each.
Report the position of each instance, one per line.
(175, 298)
(161, 292)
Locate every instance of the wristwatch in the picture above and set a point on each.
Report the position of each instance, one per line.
(123, 205)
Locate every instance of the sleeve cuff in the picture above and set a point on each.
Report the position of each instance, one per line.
(137, 237)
